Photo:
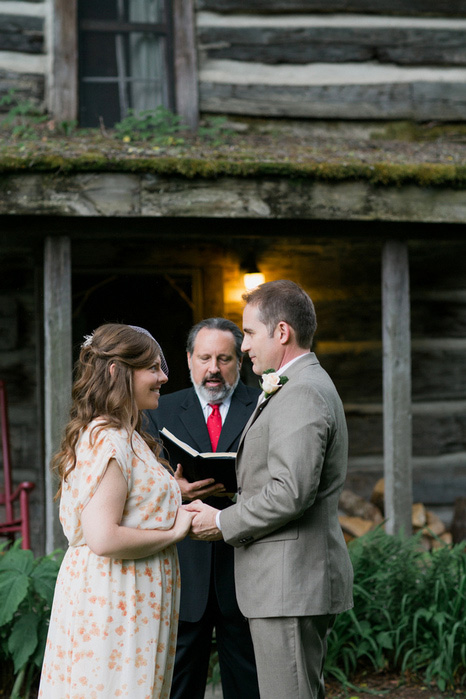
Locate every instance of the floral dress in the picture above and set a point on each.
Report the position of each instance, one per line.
(113, 622)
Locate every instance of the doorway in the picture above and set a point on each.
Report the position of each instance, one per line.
(162, 303)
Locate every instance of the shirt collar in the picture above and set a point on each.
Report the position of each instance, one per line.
(292, 361)
(204, 403)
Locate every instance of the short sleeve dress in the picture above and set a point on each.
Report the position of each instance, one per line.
(113, 623)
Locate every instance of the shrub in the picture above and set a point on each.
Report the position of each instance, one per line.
(409, 611)
(26, 592)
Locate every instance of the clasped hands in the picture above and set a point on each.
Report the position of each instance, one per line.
(203, 526)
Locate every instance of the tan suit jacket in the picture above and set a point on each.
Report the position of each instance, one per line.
(290, 555)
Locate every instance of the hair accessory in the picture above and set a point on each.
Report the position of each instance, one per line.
(163, 362)
(87, 340)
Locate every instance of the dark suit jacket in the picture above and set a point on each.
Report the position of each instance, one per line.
(181, 413)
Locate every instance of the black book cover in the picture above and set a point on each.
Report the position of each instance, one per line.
(200, 465)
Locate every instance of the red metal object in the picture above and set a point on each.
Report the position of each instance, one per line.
(11, 524)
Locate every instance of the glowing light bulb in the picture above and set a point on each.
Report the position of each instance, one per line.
(253, 279)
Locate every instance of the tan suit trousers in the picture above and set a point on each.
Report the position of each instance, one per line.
(290, 654)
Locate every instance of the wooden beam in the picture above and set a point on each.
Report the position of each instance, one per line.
(22, 33)
(346, 39)
(57, 369)
(186, 87)
(333, 90)
(407, 8)
(64, 88)
(397, 387)
(27, 86)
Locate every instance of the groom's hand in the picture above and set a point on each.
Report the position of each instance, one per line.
(203, 526)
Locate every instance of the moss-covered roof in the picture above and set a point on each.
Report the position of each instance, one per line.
(383, 154)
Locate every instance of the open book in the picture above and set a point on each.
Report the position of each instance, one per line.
(200, 465)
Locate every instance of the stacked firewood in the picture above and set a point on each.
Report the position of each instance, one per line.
(358, 516)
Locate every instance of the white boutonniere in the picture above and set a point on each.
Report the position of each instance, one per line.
(271, 382)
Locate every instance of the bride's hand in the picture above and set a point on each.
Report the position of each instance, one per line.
(182, 523)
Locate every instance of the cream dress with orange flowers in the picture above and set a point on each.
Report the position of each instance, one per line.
(113, 623)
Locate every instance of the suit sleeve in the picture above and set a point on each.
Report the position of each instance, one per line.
(287, 464)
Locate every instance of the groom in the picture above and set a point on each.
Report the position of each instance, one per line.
(292, 569)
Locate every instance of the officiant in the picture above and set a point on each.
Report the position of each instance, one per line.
(210, 416)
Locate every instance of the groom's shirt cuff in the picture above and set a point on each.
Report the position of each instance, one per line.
(217, 520)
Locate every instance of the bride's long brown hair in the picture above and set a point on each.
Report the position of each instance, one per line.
(109, 395)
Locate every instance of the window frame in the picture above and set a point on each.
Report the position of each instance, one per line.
(64, 88)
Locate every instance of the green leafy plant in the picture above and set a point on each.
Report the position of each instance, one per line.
(160, 126)
(215, 130)
(26, 592)
(22, 118)
(409, 611)
(67, 127)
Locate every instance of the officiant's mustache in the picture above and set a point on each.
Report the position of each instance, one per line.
(213, 377)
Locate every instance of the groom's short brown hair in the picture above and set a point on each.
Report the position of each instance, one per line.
(283, 300)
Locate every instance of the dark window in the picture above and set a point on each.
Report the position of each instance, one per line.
(125, 58)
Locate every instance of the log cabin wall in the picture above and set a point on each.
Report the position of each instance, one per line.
(23, 50)
(354, 59)
(303, 58)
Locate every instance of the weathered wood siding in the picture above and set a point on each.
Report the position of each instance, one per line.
(24, 34)
(23, 65)
(403, 42)
(298, 63)
(435, 8)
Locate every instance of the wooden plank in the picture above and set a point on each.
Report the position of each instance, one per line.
(407, 8)
(401, 45)
(433, 435)
(22, 33)
(437, 373)
(396, 387)
(435, 481)
(64, 87)
(27, 86)
(57, 368)
(186, 78)
(423, 101)
(94, 195)
(431, 318)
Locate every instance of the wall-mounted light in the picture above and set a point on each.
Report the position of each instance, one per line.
(252, 276)
(253, 279)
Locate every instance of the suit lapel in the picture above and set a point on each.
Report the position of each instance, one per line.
(305, 360)
(236, 418)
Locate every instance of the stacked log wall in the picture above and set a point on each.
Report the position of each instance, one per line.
(335, 60)
(344, 281)
(23, 52)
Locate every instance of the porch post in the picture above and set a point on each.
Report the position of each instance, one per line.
(63, 93)
(57, 369)
(397, 387)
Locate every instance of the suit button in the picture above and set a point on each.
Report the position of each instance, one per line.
(240, 490)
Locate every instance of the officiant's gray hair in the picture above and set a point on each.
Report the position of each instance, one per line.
(216, 324)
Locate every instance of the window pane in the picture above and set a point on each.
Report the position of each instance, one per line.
(121, 67)
(147, 63)
(147, 11)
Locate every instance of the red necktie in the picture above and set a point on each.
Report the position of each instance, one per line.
(214, 425)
